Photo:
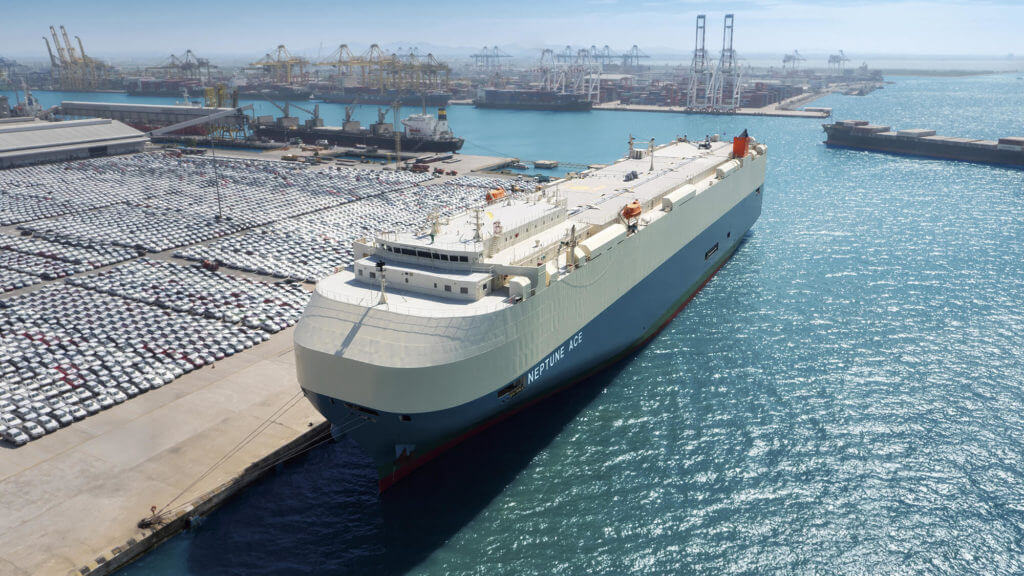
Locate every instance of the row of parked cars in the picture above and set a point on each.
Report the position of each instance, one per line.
(201, 292)
(315, 245)
(155, 202)
(11, 280)
(67, 352)
(94, 255)
(74, 348)
(47, 190)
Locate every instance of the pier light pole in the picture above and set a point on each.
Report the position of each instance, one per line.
(216, 176)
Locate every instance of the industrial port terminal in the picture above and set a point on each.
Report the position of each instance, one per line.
(567, 79)
(154, 258)
(148, 298)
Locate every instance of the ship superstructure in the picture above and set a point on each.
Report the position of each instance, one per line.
(437, 332)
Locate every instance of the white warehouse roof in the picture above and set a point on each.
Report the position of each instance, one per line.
(31, 142)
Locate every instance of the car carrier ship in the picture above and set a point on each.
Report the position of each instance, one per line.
(434, 334)
(861, 135)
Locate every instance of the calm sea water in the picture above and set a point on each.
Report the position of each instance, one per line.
(845, 397)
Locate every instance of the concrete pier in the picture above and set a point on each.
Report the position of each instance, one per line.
(772, 110)
(72, 501)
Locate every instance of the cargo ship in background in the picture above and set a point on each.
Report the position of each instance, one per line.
(434, 334)
(515, 99)
(162, 87)
(174, 87)
(361, 95)
(861, 135)
(421, 132)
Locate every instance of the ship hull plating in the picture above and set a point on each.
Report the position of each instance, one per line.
(399, 442)
(342, 138)
(923, 147)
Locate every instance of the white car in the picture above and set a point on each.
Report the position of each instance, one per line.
(10, 420)
(48, 424)
(33, 430)
(62, 417)
(77, 412)
(16, 436)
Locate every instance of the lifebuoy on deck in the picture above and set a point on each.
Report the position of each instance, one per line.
(632, 210)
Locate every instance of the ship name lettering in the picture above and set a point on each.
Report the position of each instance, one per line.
(554, 358)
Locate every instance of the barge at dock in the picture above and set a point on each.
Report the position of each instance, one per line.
(435, 334)
(861, 135)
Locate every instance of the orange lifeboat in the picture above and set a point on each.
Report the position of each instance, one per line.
(632, 210)
(495, 195)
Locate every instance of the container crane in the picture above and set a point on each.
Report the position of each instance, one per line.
(281, 65)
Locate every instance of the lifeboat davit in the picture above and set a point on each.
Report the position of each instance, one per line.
(632, 210)
(495, 195)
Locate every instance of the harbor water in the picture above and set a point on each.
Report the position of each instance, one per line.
(844, 397)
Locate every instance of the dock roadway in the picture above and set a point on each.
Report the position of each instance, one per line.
(770, 110)
(73, 498)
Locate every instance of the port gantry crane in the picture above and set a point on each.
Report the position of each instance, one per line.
(380, 70)
(792, 61)
(700, 74)
(489, 58)
(367, 69)
(631, 58)
(188, 66)
(281, 66)
(603, 56)
(342, 61)
(837, 63)
(725, 82)
(580, 75)
(413, 70)
(714, 87)
(74, 69)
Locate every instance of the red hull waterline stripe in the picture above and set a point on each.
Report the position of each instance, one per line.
(390, 480)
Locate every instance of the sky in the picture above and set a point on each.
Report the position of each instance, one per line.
(126, 29)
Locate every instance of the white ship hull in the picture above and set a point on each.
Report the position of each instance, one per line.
(407, 387)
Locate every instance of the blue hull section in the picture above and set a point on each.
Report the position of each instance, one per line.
(399, 443)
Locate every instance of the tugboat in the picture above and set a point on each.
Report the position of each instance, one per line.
(29, 106)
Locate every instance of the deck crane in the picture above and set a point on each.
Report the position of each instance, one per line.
(314, 122)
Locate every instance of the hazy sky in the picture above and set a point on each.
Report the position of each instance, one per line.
(219, 27)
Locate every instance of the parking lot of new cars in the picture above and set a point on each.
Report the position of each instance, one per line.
(102, 318)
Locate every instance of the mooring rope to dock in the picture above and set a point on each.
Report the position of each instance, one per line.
(327, 435)
(266, 423)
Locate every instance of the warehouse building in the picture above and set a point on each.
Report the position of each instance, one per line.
(25, 141)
